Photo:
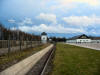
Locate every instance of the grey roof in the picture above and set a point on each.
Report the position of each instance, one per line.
(43, 33)
(79, 37)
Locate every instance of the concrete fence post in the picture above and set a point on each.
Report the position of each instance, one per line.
(9, 47)
(20, 44)
(31, 43)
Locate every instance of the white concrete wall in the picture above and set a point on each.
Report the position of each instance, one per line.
(95, 46)
(95, 41)
(44, 38)
(83, 40)
(78, 40)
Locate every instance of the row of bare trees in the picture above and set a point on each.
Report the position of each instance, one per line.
(6, 34)
(13, 40)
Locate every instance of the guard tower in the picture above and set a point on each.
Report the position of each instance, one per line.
(44, 37)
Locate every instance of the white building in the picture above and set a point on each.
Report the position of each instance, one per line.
(83, 39)
(44, 37)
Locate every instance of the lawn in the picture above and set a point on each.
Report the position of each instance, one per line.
(73, 60)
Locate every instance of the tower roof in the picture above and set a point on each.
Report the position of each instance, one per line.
(43, 33)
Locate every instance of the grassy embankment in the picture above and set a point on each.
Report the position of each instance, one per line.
(15, 57)
(72, 60)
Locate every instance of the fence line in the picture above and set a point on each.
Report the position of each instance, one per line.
(7, 46)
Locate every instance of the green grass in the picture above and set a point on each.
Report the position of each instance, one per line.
(15, 57)
(72, 60)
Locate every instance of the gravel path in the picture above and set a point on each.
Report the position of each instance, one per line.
(36, 70)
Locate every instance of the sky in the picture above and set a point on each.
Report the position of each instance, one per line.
(60, 18)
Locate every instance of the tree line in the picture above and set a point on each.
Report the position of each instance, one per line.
(58, 39)
(6, 34)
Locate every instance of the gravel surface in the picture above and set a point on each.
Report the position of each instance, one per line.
(36, 70)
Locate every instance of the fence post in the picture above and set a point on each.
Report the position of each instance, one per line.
(9, 48)
(31, 43)
(20, 45)
(26, 43)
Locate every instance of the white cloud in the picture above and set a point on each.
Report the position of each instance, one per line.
(89, 2)
(13, 28)
(63, 8)
(82, 20)
(11, 21)
(50, 29)
(26, 21)
(94, 32)
(66, 5)
(47, 17)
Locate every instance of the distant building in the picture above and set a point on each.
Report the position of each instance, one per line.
(95, 39)
(44, 37)
(83, 39)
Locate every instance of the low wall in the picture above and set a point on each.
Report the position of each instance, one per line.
(25, 65)
(95, 46)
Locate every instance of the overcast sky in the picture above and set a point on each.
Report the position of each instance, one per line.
(56, 17)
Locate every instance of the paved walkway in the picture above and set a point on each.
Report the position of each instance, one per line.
(95, 46)
(25, 65)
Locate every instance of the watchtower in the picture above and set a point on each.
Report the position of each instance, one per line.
(44, 37)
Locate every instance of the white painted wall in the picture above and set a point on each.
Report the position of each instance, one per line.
(83, 40)
(79, 40)
(44, 38)
(95, 41)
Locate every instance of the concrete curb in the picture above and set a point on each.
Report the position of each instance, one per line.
(25, 65)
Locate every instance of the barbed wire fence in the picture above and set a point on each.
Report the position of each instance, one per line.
(13, 40)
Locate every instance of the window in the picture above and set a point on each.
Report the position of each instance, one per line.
(43, 38)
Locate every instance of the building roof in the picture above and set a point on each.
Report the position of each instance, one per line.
(83, 36)
(43, 33)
